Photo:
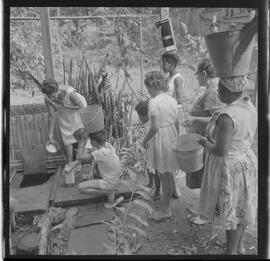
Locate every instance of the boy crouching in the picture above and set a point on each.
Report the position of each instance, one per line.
(108, 164)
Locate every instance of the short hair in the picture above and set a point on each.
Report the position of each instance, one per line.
(78, 134)
(205, 65)
(142, 108)
(155, 79)
(171, 58)
(49, 86)
(99, 136)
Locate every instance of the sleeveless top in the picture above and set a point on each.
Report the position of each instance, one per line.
(69, 119)
(171, 87)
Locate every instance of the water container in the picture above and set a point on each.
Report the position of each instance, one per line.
(92, 118)
(69, 178)
(230, 53)
(189, 152)
(52, 147)
(167, 35)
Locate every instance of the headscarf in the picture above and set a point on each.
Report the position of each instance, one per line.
(234, 83)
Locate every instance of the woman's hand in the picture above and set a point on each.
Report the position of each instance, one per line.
(202, 141)
(51, 138)
(188, 122)
(58, 103)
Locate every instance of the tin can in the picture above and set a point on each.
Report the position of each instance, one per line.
(167, 35)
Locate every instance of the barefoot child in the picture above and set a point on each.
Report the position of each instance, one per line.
(108, 164)
(142, 110)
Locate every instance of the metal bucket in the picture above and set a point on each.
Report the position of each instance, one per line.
(189, 152)
(92, 118)
(229, 52)
(52, 147)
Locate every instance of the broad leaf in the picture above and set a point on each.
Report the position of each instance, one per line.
(144, 205)
(139, 230)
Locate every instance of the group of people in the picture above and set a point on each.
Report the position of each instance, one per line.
(224, 117)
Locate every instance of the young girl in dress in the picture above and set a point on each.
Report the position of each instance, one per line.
(142, 110)
(162, 112)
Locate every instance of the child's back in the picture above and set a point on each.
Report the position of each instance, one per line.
(108, 162)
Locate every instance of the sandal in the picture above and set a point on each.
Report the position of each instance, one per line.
(114, 204)
(198, 220)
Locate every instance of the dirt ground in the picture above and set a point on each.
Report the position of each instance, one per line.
(178, 235)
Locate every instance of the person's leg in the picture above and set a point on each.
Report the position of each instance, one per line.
(157, 184)
(150, 179)
(233, 237)
(74, 150)
(167, 192)
(175, 190)
(94, 187)
(241, 247)
(69, 154)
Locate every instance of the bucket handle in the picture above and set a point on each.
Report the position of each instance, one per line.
(93, 118)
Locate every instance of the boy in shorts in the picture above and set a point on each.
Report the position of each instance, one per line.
(108, 164)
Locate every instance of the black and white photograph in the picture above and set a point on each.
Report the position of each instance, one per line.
(134, 131)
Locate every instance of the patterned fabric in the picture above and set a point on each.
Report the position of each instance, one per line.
(235, 83)
(229, 187)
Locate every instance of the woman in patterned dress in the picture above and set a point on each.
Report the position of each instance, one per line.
(229, 188)
(162, 113)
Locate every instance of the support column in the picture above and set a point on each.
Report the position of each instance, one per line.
(141, 55)
(46, 42)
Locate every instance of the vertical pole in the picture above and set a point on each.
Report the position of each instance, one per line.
(164, 13)
(46, 42)
(141, 58)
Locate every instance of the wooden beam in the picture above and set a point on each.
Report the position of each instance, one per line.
(46, 42)
(141, 58)
(82, 17)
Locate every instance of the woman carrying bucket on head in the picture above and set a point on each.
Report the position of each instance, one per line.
(67, 103)
(229, 188)
(162, 113)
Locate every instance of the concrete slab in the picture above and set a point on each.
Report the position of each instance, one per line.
(69, 196)
(94, 216)
(32, 199)
(88, 241)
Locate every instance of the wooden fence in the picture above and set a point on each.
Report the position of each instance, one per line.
(29, 127)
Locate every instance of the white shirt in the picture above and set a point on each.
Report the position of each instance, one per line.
(108, 162)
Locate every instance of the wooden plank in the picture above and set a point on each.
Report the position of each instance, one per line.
(94, 216)
(69, 196)
(32, 199)
(54, 184)
(83, 17)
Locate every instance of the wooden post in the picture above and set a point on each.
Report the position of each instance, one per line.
(46, 42)
(141, 58)
(164, 13)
